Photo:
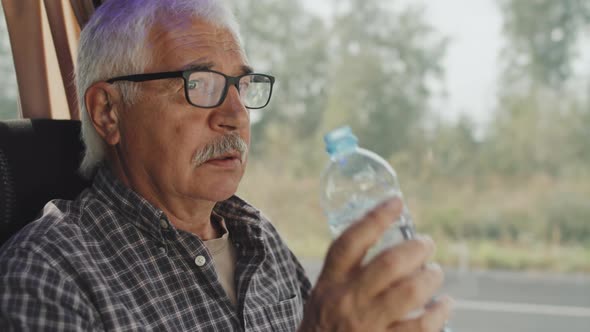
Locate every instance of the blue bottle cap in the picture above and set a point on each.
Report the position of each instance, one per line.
(340, 139)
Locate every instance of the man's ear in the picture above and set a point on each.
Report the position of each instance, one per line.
(103, 104)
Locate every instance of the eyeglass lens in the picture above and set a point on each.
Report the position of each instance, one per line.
(205, 89)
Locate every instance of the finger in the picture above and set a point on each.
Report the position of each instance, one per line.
(411, 293)
(433, 319)
(348, 250)
(394, 264)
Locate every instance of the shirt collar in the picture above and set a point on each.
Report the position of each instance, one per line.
(242, 219)
(215, 246)
(121, 198)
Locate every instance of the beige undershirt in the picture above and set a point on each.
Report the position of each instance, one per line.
(224, 259)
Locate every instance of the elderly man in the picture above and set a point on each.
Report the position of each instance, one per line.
(159, 242)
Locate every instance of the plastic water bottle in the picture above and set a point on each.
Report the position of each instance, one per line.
(356, 181)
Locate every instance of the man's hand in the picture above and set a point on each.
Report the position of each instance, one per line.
(350, 296)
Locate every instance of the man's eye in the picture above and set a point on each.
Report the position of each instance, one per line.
(244, 86)
(194, 84)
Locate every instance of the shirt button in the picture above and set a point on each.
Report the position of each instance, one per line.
(163, 250)
(200, 260)
(163, 223)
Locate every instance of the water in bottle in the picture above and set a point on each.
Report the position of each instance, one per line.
(356, 181)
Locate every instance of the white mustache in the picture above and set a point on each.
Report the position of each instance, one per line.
(226, 144)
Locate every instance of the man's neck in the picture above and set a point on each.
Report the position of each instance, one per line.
(205, 230)
(189, 215)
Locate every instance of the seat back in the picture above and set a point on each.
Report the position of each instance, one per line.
(39, 162)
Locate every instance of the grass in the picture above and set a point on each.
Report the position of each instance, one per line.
(536, 224)
(498, 256)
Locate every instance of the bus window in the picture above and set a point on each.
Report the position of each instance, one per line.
(8, 89)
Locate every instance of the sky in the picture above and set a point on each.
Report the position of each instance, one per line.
(475, 31)
(472, 65)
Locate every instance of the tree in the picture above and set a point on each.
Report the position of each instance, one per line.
(541, 103)
(383, 58)
(284, 39)
(368, 65)
(456, 151)
(543, 38)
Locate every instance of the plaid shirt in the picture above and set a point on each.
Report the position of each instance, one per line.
(112, 261)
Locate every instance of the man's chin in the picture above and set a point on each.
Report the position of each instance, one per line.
(221, 198)
(222, 193)
(214, 186)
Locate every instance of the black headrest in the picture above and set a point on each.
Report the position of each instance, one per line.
(39, 161)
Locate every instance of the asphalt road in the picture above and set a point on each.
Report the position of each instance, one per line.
(489, 301)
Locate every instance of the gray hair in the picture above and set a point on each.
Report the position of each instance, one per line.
(112, 44)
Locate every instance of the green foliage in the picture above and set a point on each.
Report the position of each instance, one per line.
(384, 58)
(288, 42)
(541, 124)
(568, 219)
(490, 255)
(538, 224)
(543, 36)
(369, 69)
(453, 150)
(516, 192)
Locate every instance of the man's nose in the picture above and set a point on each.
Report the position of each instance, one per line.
(231, 114)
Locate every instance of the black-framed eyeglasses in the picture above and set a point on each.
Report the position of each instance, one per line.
(208, 88)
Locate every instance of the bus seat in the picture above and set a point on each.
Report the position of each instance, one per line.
(39, 161)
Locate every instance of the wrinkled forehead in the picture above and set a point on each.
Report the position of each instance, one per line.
(182, 38)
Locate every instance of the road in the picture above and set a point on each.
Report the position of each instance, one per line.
(489, 301)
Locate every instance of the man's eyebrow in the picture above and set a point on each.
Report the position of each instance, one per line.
(247, 69)
(198, 66)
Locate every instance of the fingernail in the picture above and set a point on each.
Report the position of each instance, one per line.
(424, 238)
(440, 299)
(434, 266)
(450, 302)
(447, 299)
(428, 242)
(395, 203)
